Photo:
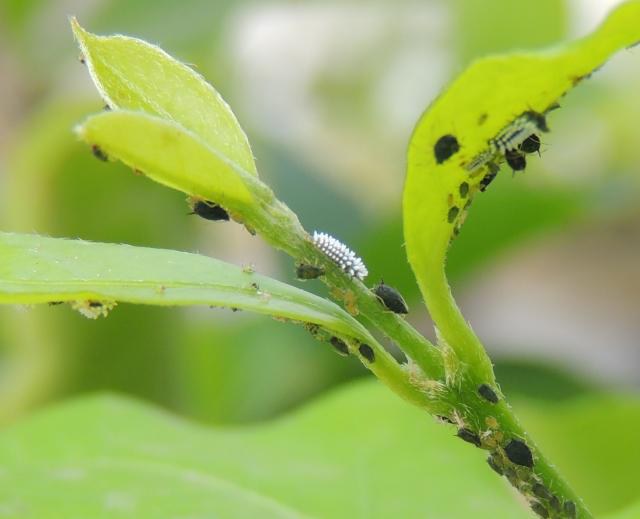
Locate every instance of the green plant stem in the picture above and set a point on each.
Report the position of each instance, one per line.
(281, 228)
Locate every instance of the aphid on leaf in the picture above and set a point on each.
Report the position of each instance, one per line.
(209, 211)
(339, 345)
(452, 214)
(464, 189)
(487, 179)
(569, 509)
(468, 436)
(391, 298)
(98, 153)
(341, 255)
(445, 147)
(516, 160)
(495, 465)
(518, 453)
(541, 491)
(531, 144)
(367, 352)
(305, 271)
(539, 509)
(487, 392)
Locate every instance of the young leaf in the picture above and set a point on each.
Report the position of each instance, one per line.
(132, 74)
(168, 154)
(451, 154)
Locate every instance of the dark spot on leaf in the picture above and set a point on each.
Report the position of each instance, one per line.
(304, 271)
(98, 153)
(255, 286)
(493, 463)
(452, 214)
(210, 211)
(367, 352)
(55, 303)
(487, 392)
(519, 453)
(469, 436)
(516, 160)
(464, 189)
(446, 146)
(482, 119)
(391, 298)
(569, 509)
(339, 345)
(539, 509)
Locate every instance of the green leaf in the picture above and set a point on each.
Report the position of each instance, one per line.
(168, 154)
(356, 454)
(132, 74)
(37, 269)
(478, 106)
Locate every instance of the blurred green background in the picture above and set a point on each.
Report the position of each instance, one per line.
(545, 268)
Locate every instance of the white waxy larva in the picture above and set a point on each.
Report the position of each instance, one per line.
(340, 254)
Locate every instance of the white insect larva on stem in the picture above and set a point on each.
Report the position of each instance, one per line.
(340, 254)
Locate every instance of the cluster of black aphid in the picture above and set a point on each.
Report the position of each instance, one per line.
(520, 138)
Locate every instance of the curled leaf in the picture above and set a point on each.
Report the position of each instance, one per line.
(458, 144)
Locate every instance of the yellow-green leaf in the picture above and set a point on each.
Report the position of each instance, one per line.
(484, 101)
(133, 74)
(168, 154)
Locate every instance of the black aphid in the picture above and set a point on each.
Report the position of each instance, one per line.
(98, 153)
(446, 146)
(95, 304)
(468, 436)
(518, 452)
(531, 144)
(554, 502)
(55, 303)
(539, 509)
(569, 509)
(487, 179)
(464, 189)
(452, 214)
(209, 211)
(367, 352)
(339, 345)
(493, 463)
(487, 392)
(305, 271)
(391, 298)
(516, 160)
(541, 491)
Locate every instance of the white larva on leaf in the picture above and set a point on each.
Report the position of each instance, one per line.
(340, 254)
